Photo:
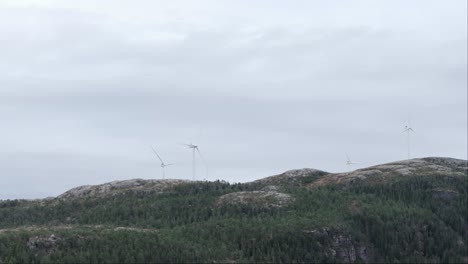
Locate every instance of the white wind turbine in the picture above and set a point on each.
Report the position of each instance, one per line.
(348, 160)
(195, 149)
(408, 130)
(163, 165)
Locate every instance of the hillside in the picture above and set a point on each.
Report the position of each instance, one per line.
(390, 172)
(117, 187)
(403, 211)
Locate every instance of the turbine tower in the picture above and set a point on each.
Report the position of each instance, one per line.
(163, 165)
(195, 149)
(408, 130)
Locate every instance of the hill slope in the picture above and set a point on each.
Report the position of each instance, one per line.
(389, 172)
(396, 212)
(116, 187)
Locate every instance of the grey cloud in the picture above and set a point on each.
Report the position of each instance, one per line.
(84, 91)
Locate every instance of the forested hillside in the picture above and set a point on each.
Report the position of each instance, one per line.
(416, 213)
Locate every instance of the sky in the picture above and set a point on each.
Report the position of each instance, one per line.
(262, 87)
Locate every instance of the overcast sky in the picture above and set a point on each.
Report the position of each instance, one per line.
(261, 86)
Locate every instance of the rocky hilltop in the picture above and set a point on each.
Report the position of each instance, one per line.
(115, 187)
(435, 166)
(306, 177)
(292, 177)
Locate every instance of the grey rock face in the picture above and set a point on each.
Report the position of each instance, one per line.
(301, 172)
(120, 186)
(416, 167)
(270, 188)
(264, 199)
(292, 177)
(447, 162)
(46, 243)
(342, 247)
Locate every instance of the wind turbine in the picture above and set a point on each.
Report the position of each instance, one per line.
(195, 149)
(408, 130)
(163, 165)
(348, 161)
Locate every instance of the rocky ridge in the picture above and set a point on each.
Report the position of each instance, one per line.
(292, 177)
(311, 178)
(382, 173)
(112, 188)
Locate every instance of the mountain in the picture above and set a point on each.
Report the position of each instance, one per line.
(406, 211)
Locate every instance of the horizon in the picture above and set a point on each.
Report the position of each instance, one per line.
(213, 180)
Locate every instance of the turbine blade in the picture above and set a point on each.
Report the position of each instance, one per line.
(169, 164)
(188, 145)
(201, 156)
(204, 161)
(157, 155)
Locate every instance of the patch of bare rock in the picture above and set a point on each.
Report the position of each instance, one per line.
(44, 243)
(381, 173)
(261, 199)
(115, 187)
(292, 177)
(340, 246)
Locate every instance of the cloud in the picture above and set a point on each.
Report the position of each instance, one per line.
(86, 87)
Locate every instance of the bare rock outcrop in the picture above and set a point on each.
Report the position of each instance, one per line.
(262, 199)
(115, 187)
(292, 177)
(382, 173)
(340, 246)
(44, 243)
